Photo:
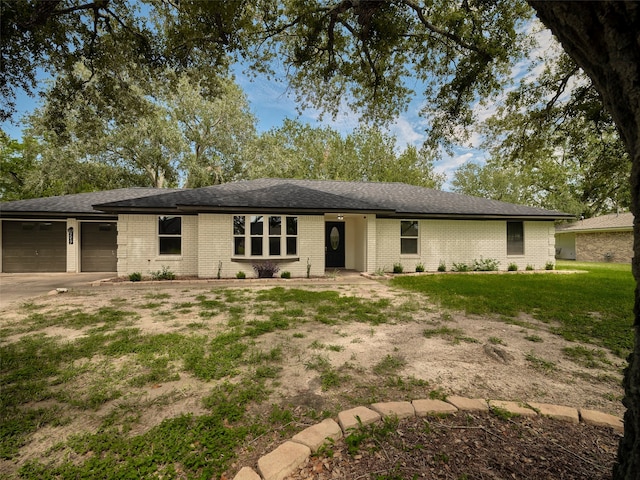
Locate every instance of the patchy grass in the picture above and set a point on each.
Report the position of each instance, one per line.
(454, 335)
(593, 307)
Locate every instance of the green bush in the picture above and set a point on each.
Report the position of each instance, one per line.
(135, 277)
(549, 266)
(460, 267)
(512, 267)
(285, 275)
(241, 274)
(485, 265)
(442, 267)
(420, 267)
(164, 274)
(529, 267)
(398, 268)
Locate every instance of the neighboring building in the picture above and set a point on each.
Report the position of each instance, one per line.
(608, 238)
(300, 224)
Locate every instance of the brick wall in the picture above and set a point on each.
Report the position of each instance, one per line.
(207, 240)
(458, 241)
(138, 246)
(604, 247)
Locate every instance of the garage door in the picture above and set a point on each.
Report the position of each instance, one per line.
(34, 247)
(98, 247)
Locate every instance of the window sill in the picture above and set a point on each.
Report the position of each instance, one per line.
(265, 259)
(169, 257)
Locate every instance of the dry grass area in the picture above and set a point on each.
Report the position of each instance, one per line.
(127, 361)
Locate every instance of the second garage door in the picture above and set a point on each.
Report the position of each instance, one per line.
(34, 247)
(98, 247)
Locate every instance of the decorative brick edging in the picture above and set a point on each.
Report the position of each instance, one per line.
(292, 454)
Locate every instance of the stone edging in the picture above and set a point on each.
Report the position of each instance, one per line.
(292, 454)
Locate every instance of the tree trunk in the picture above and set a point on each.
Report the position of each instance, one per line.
(604, 39)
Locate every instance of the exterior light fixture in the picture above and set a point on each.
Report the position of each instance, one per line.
(70, 234)
(340, 217)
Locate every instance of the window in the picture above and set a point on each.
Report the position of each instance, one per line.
(270, 236)
(408, 237)
(515, 238)
(170, 235)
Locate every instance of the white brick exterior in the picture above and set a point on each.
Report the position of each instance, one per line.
(207, 240)
(371, 244)
(458, 241)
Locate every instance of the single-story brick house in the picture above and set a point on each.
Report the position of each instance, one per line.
(607, 238)
(300, 224)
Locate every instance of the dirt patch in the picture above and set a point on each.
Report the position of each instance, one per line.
(419, 349)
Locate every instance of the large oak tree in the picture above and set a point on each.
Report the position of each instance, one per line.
(462, 51)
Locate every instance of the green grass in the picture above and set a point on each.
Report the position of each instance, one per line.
(594, 307)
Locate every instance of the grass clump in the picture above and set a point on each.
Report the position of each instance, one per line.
(594, 307)
(454, 335)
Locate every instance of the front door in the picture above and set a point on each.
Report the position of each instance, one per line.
(334, 245)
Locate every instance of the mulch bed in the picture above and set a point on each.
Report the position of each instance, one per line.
(470, 446)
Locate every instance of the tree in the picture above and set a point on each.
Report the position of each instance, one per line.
(462, 50)
(169, 133)
(553, 144)
(298, 150)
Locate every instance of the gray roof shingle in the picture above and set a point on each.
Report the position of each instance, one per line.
(613, 221)
(394, 199)
(80, 203)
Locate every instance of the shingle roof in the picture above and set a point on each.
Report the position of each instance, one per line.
(395, 199)
(613, 221)
(80, 203)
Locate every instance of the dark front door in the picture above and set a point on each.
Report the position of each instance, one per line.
(334, 244)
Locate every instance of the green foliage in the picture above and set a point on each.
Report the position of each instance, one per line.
(513, 267)
(587, 357)
(164, 273)
(549, 266)
(442, 267)
(389, 365)
(241, 274)
(285, 275)
(485, 265)
(454, 335)
(541, 364)
(135, 277)
(460, 267)
(529, 267)
(419, 267)
(398, 268)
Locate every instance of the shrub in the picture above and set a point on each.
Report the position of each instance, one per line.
(164, 274)
(549, 266)
(135, 277)
(485, 265)
(529, 267)
(512, 267)
(442, 267)
(285, 275)
(266, 269)
(241, 274)
(420, 267)
(398, 268)
(460, 267)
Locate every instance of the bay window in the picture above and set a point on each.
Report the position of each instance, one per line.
(267, 236)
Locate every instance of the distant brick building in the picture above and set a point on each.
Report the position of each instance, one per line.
(608, 238)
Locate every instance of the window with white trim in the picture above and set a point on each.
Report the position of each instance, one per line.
(409, 237)
(267, 236)
(170, 235)
(515, 238)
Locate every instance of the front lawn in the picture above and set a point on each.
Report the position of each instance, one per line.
(595, 306)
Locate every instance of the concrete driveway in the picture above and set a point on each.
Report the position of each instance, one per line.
(20, 287)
